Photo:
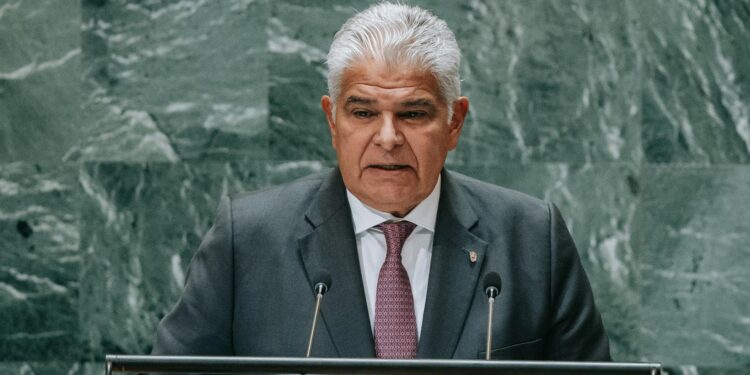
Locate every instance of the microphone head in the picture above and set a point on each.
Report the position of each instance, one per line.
(322, 282)
(492, 284)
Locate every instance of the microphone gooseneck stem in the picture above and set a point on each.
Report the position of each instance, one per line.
(491, 301)
(318, 299)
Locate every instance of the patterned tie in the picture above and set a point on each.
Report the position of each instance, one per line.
(395, 324)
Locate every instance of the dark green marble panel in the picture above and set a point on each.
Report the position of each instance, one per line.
(696, 86)
(693, 250)
(598, 203)
(705, 370)
(39, 86)
(39, 263)
(51, 368)
(165, 81)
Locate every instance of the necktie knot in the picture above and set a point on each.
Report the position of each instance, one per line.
(396, 234)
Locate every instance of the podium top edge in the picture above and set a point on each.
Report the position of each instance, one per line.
(120, 359)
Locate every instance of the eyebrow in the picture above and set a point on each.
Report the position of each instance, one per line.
(421, 102)
(358, 100)
(418, 103)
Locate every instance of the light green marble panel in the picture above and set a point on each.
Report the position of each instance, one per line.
(551, 81)
(298, 40)
(696, 91)
(167, 81)
(39, 86)
(39, 263)
(693, 249)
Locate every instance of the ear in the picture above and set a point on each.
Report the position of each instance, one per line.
(460, 110)
(326, 103)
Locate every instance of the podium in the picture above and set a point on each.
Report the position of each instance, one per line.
(249, 365)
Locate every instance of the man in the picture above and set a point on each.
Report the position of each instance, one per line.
(406, 243)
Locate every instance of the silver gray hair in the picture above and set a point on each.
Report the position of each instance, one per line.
(397, 35)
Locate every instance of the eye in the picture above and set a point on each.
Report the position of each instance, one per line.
(412, 115)
(359, 113)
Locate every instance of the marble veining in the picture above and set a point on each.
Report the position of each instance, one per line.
(39, 263)
(134, 52)
(123, 122)
(40, 53)
(696, 101)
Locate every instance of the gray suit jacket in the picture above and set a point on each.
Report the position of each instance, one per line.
(249, 288)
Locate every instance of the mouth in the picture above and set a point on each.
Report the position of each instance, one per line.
(389, 167)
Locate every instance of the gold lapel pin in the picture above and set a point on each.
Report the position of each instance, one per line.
(472, 256)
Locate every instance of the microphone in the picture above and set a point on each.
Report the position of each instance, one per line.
(322, 283)
(492, 286)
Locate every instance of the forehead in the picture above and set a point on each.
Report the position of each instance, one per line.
(383, 83)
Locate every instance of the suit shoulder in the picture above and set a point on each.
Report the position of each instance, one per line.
(277, 201)
(492, 200)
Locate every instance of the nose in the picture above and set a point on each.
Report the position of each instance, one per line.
(388, 136)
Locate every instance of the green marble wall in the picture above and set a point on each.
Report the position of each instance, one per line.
(123, 122)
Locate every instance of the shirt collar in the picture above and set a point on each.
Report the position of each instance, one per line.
(424, 214)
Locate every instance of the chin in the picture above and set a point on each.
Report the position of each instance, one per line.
(393, 200)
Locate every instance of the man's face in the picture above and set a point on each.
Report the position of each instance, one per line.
(391, 134)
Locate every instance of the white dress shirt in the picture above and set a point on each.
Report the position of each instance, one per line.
(415, 255)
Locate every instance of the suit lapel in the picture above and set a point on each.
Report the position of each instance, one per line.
(453, 275)
(331, 246)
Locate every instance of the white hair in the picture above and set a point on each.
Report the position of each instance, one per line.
(397, 35)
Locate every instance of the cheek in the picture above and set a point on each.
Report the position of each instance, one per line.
(430, 149)
(351, 146)
(342, 137)
(430, 155)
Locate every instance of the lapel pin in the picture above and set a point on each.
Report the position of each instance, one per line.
(472, 256)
